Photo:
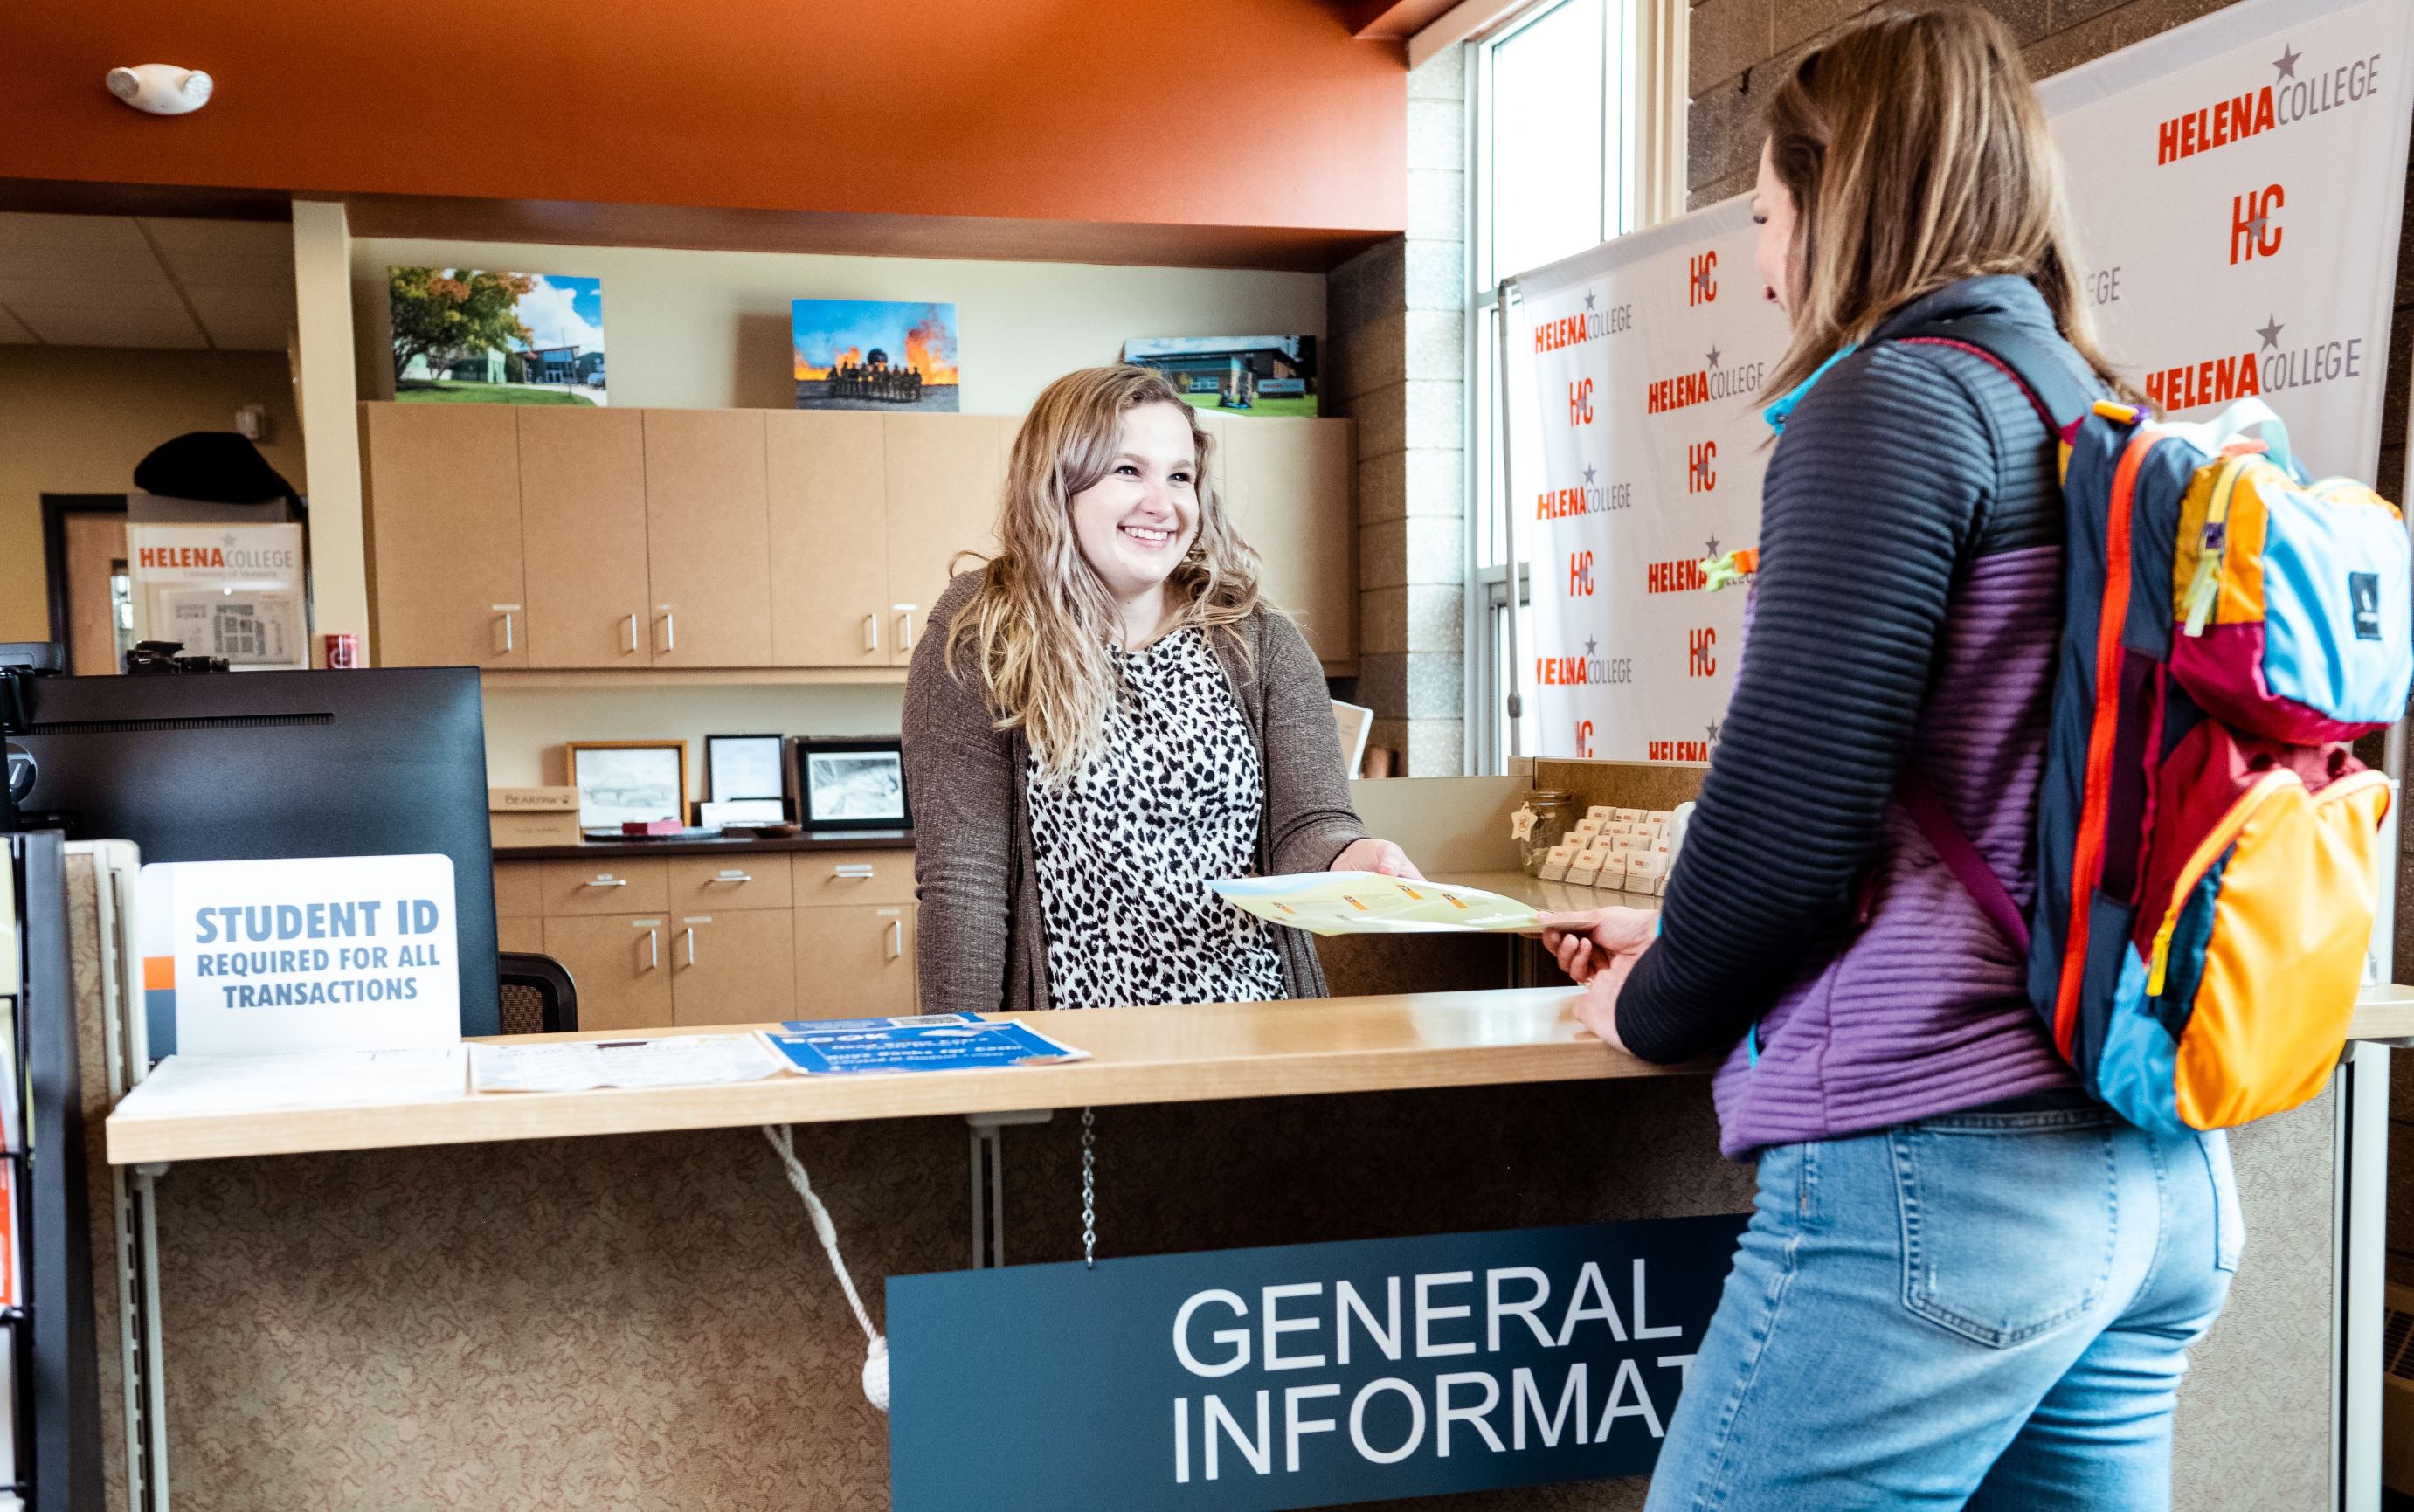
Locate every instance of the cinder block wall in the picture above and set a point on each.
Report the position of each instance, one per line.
(1396, 324)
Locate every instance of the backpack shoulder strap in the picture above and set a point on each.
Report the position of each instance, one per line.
(2040, 370)
(1961, 857)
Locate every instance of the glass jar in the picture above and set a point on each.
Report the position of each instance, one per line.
(1554, 814)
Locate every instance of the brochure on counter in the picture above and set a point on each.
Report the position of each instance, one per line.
(926, 1041)
(1367, 903)
(581, 1065)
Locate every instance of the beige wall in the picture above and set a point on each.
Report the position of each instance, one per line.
(709, 330)
(75, 420)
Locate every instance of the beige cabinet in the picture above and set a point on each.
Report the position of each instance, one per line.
(510, 536)
(616, 885)
(708, 539)
(582, 473)
(704, 884)
(829, 538)
(854, 961)
(446, 570)
(622, 964)
(519, 935)
(827, 877)
(942, 477)
(733, 966)
(1290, 484)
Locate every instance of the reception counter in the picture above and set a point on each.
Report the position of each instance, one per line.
(612, 1299)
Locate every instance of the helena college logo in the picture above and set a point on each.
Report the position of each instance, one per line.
(1591, 669)
(1705, 383)
(1696, 752)
(1589, 498)
(2290, 98)
(2269, 365)
(1591, 323)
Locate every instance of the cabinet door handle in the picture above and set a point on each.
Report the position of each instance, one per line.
(670, 629)
(605, 880)
(653, 950)
(633, 635)
(731, 874)
(905, 630)
(871, 633)
(855, 871)
(689, 932)
(507, 631)
(896, 938)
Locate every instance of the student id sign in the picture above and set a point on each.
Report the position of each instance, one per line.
(1299, 1376)
(254, 958)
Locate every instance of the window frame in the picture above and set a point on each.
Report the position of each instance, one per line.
(1643, 119)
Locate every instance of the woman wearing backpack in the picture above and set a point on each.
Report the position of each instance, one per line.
(1964, 1281)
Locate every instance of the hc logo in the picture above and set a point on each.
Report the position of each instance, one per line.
(2364, 593)
(1579, 574)
(1584, 739)
(1702, 279)
(1700, 648)
(1580, 401)
(2252, 235)
(1700, 476)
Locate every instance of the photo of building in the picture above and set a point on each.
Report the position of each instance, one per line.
(468, 335)
(1245, 374)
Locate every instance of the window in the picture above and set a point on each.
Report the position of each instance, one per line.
(1549, 96)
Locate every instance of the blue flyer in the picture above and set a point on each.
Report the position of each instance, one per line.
(934, 1041)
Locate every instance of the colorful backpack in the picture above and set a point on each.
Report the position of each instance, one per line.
(2206, 844)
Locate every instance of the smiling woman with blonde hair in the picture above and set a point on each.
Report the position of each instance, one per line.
(1104, 717)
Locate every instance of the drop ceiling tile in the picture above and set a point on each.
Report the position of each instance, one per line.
(251, 253)
(244, 319)
(12, 331)
(101, 327)
(75, 246)
(89, 294)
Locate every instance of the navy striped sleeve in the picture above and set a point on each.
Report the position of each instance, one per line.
(1870, 500)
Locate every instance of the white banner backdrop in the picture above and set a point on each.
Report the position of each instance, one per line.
(2238, 185)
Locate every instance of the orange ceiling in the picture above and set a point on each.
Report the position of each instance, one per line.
(1261, 113)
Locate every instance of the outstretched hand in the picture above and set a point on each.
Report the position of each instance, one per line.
(1599, 948)
(1380, 857)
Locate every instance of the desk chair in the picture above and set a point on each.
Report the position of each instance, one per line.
(538, 996)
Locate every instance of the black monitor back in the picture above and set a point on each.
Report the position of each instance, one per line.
(239, 766)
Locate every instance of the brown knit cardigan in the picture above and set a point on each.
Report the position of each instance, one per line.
(982, 943)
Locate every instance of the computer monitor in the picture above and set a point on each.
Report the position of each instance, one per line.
(238, 767)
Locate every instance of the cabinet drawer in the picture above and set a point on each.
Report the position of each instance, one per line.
(518, 887)
(854, 962)
(737, 965)
(622, 964)
(826, 876)
(604, 885)
(703, 883)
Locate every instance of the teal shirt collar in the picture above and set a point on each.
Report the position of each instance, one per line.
(1776, 414)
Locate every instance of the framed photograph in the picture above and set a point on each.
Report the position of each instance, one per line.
(744, 766)
(851, 784)
(1235, 375)
(628, 781)
(873, 354)
(495, 337)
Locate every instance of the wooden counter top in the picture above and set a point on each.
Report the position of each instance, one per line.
(1187, 1054)
(1196, 1053)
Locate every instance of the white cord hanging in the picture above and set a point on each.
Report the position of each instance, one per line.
(875, 1358)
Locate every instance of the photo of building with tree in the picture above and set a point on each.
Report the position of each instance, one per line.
(470, 336)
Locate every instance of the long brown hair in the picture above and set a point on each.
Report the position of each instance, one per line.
(1040, 623)
(1918, 155)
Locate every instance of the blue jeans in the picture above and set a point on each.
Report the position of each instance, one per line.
(1989, 1309)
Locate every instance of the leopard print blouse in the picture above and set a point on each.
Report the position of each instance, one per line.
(1126, 846)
